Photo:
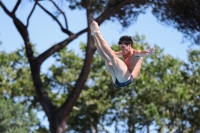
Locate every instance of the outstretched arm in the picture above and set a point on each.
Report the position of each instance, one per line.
(149, 52)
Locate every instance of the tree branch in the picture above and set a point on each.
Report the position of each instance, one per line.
(67, 106)
(19, 25)
(16, 6)
(34, 65)
(111, 10)
(50, 14)
(58, 47)
(29, 16)
(6, 10)
(61, 13)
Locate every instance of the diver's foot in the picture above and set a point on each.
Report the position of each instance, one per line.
(94, 28)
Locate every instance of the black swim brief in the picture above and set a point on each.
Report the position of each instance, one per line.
(125, 83)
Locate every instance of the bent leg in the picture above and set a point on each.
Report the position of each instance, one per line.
(111, 71)
(103, 55)
(103, 48)
(137, 66)
(121, 72)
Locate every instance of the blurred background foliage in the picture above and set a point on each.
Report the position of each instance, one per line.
(17, 118)
(165, 95)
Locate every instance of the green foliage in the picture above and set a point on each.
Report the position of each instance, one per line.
(15, 84)
(125, 16)
(63, 75)
(15, 78)
(15, 118)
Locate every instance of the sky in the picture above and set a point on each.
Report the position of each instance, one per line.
(44, 32)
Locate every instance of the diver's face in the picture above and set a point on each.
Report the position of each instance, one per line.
(125, 48)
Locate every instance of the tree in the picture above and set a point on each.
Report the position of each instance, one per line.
(120, 9)
(184, 15)
(16, 119)
(191, 75)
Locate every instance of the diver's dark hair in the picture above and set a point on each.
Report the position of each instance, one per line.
(126, 40)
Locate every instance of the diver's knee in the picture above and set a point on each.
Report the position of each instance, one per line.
(109, 63)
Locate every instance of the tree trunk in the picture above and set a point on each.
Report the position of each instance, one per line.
(57, 124)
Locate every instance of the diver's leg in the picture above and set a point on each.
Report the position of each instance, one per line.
(100, 41)
(120, 69)
(111, 71)
(102, 54)
(121, 72)
(137, 61)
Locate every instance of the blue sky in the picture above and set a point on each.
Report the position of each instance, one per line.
(44, 32)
